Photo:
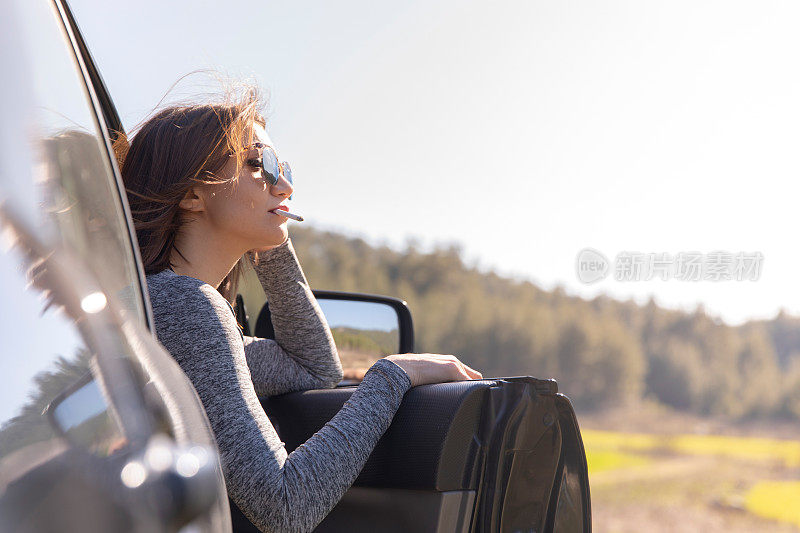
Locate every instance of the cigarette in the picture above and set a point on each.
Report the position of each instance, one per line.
(287, 214)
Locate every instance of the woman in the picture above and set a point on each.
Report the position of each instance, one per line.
(202, 207)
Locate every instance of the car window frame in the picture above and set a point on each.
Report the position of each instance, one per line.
(110, 126)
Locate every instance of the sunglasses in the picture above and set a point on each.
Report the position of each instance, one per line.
(271, 169)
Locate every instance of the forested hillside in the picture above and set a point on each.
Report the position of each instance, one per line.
(603, 352)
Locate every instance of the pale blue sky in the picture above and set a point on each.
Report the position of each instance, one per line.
(525, 131)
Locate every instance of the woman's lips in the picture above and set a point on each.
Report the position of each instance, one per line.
(286, 213)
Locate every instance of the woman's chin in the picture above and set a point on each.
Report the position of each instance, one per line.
(277, 235)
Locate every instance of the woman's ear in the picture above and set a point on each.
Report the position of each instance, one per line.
(192, 201)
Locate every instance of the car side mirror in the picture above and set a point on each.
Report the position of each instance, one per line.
(365, 327)
(384, 320)
(83, 416)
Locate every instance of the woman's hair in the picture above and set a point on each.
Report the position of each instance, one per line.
(181, 146)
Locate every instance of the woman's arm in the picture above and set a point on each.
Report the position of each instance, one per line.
(303, 354)
(275, 490)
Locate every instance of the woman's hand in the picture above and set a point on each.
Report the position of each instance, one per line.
(425, 368)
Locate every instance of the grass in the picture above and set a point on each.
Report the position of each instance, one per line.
(672, 482)
(604, 460)
(746, 448)
(779, 500)
(749, 448)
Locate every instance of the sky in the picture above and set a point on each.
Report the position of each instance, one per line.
(523, 131)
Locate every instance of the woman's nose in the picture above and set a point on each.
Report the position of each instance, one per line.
(282, 187)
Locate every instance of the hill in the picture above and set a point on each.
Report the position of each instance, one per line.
(604, 352)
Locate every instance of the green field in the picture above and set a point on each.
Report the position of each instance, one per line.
(650, 482)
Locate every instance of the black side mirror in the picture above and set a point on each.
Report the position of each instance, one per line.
(386, 320)
(365, 327)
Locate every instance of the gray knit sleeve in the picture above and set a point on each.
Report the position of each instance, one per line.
(303, 354)
(275, 490)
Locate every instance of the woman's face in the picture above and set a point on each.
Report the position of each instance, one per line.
(240, 208)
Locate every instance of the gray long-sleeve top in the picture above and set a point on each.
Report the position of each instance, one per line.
(276, 490)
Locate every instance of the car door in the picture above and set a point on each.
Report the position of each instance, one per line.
(501, 454)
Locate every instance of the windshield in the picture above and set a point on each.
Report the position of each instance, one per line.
(62, 182)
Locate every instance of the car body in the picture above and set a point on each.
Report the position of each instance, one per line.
(100, 430)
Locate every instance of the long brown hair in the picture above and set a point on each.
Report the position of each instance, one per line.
(178, 147)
